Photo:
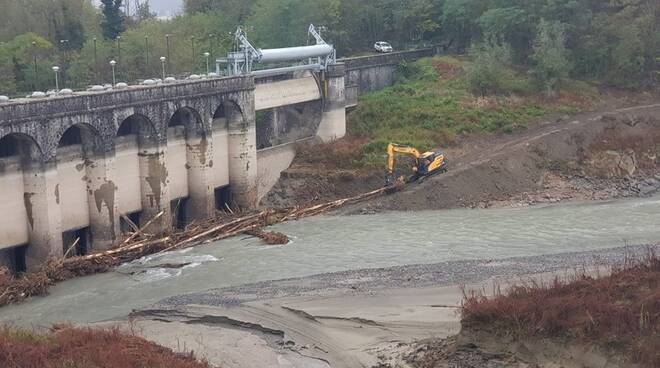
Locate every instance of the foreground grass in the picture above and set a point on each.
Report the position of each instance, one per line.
(619, 312)
(431, 105)
(70, 347)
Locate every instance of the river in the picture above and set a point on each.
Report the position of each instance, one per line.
(339, 243)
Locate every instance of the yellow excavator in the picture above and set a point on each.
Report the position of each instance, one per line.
(426, 164)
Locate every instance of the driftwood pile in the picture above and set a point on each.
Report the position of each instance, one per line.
(140, 244)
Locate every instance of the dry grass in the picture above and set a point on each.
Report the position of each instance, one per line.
(345, 153)
(620, 311)
(69, 347)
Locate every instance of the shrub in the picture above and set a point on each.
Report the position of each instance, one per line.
(550, 57)
(489, 73)
(86, 347)
(619, 310)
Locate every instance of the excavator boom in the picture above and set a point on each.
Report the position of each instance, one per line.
(393, 149)
(426, 164)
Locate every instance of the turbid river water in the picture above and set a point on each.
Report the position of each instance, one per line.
(339, 243)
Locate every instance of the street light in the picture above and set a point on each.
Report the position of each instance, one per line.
(96, 63)
(64, 46)
(118, 50)
(112, 65)
(146, 55)
(211, 35)
(56, 69)
(192, 42)
(206, 54)
(162, 62)
(167, 44)
(34, 51)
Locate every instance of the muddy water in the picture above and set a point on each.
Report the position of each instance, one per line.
(327, 244)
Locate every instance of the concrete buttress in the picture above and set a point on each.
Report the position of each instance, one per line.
(199, 162)
(333, 123)
(242, 144)
(42, 204)
(155, 196)
(103, 200)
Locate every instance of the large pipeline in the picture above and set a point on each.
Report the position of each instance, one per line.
(294, 53)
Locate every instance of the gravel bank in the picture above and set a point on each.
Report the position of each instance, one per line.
(366, 281)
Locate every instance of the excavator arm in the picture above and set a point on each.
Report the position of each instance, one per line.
(426, 164)
(393, 149)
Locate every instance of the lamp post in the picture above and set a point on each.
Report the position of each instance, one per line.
(34, 51)
(96, 63)
(192, 42)
(118, 51)
(64, 46)
(112, 65)
(167, 45)
(211, 35)
(206, 55)
(56, 69)
(162, 62)
(146, 55)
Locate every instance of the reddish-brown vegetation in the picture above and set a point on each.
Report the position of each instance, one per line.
(620, 311)
(343, 153)
(86, 347)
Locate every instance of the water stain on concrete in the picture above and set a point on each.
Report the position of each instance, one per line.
(27, 200)
(156, 177)
(106, 194)
(200, 149)
(203, 147)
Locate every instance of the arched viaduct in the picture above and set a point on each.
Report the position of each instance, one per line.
(95, 164)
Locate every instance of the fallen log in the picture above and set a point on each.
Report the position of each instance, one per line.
(17, 289)
(269, 237)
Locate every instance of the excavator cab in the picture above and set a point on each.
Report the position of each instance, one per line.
(426, 164)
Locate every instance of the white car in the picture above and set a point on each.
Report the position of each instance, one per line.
(382, 46)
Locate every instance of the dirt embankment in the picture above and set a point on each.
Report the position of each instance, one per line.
(593, 156)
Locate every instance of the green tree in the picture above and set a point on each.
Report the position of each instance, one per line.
(24, 51)
(113, 19)
(70, 29)
(550, 57)
(459, 22)
(144, 12)
(511, 24)
(489, 73)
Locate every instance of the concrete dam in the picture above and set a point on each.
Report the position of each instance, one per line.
(83, 169)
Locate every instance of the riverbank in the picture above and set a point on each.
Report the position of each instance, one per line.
(585, 142)
(603, 155)
(322, 244)
(348, 319)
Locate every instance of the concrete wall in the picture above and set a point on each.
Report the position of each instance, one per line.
(375, 72)
(271, 162)
(72, 188)
(287, 92)
(220, 155)
(176, 162)
(13, 217)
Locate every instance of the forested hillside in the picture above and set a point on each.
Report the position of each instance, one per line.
(614, 41)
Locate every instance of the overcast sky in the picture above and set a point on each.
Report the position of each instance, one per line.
(162, 7)
(165, 7)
